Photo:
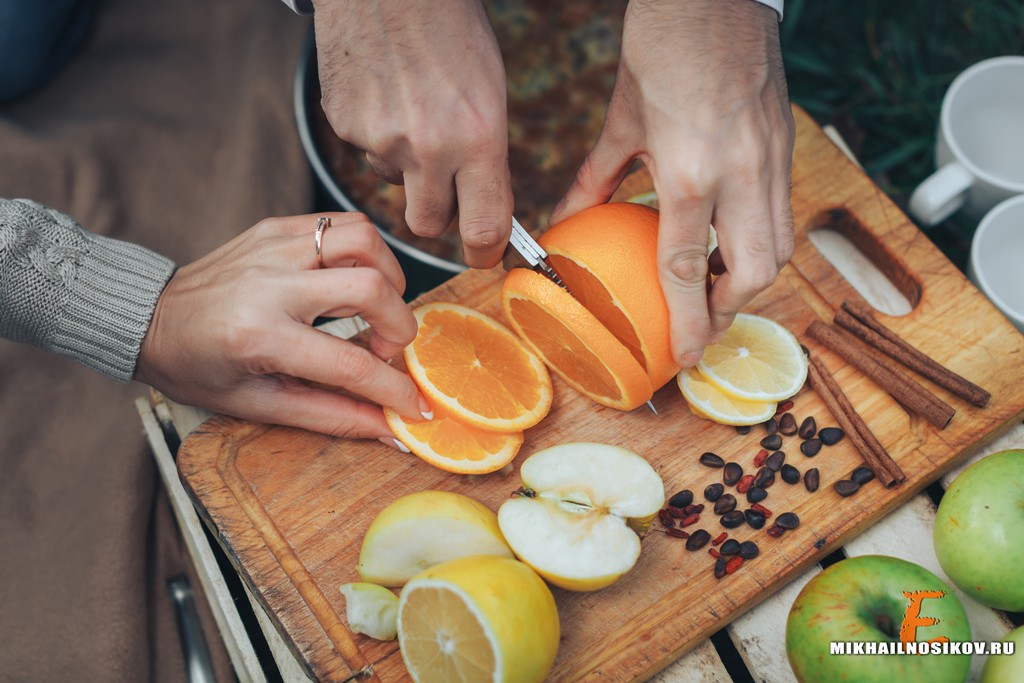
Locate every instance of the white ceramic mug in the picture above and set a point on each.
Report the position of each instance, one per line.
(997, 258)
(980, 148)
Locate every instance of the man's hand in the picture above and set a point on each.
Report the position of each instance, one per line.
(232, 332)
(700, 98)
(420, 86)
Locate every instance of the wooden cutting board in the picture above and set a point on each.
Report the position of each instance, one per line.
(290, 507)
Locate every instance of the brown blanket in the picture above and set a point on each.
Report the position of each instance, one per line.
(172, 128)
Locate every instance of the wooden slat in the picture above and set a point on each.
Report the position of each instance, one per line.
(700, 665)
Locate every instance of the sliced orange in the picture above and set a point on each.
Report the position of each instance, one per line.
(454, 446)
(476, 370)
(607, 256)
(708, 402)
(572, 341)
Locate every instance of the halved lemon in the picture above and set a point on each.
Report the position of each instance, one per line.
(757, 360)
(480, 618)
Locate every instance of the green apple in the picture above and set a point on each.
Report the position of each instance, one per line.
(979, 531)
(1005, 668)
(861, 600)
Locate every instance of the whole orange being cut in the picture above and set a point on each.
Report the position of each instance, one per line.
(476, 370)
(572, 341)
(607, 256)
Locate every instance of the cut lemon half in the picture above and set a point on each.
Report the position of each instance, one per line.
(481, 618)
(572, 341)
(708, 402)
(453, 445)
(757, 360)
(475, 369)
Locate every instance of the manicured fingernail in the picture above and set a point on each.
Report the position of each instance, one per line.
(715, 338)
(394, 443)
(688, 360)
(425, 410)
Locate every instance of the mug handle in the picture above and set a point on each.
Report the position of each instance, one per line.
(941, 193)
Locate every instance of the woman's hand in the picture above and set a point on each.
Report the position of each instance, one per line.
(232, 332)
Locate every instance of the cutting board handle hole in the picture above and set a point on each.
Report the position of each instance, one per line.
(864, 261)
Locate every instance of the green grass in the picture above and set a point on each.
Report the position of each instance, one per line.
(877, 71)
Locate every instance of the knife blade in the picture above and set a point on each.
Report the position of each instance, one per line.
(523, 248)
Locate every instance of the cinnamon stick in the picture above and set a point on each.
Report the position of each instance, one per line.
(873, 452)
(861, 322)
(908, 393)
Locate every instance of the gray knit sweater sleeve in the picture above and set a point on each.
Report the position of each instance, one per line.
(67, 290)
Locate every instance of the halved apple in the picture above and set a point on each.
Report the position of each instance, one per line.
(577, 517)
(423, 529)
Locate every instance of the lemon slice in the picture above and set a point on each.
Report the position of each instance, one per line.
(371, 610)
(708, 402)
(757, 360)
(480, 618)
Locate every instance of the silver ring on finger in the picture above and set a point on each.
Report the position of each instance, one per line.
(322, 224)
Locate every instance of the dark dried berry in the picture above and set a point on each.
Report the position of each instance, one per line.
(713, 492)
(790, 474)
(787, 424)
(681, 499)
(730, 547)
(720, 538)
(772, 442)
(689, 520)
(698, 539)
(862, 475)
(771, 425)
(694, 509)
(677, 533)
(709, 459)
(811, 447)
(761, 456)
(846, 487)
(775, 460)
(775, 531)
(756, 494)
(764, 478)
(743, 429)
(665, 517)
(720, 568)
(732, 473)
(783, 407)
(713, 552)
(811, 479)
(762, 509)
(745, 482)
(733, 564)
(808, 428)
(727, 503)
(731, 520)
(748, 550)
(830, 436)
(755, 518)
(788, 520)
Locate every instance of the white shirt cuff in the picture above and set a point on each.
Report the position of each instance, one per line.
(774, 4)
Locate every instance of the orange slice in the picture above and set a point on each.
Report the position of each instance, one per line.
(476, 370)
(607, 256)
(454, 446)
(572, 341)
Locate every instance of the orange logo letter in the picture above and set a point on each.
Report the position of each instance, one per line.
(912, 618)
